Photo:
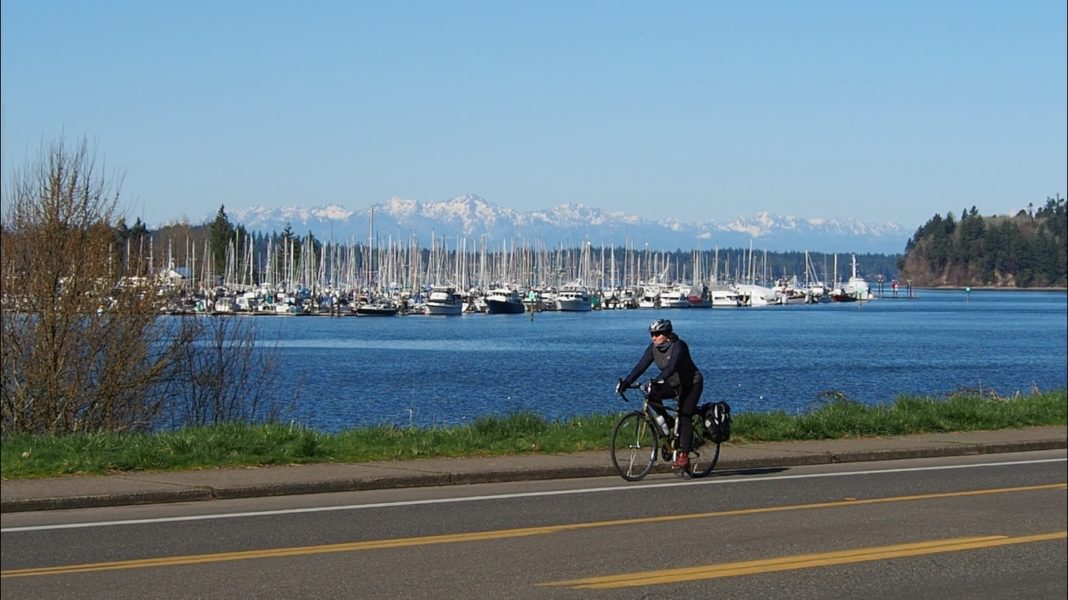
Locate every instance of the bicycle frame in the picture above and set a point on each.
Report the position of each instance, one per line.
(636, 440)
(671, 412)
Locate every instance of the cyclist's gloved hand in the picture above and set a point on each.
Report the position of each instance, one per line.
(621, 385)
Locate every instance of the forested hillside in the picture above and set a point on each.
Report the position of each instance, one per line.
(1023, 251)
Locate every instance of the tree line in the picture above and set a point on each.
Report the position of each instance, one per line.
(1029, 249)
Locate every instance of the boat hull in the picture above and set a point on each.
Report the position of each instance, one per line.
(573, 304)
(443, 309)
(504, 307)
(376, 311)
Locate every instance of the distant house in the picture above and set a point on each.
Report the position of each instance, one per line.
(174, 276)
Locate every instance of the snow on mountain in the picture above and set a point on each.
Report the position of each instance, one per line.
(572, 224)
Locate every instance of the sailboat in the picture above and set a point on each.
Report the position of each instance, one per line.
(375, 304)
(575, 296)
(855, 289)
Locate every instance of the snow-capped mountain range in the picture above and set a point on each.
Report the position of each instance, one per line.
(572, 225)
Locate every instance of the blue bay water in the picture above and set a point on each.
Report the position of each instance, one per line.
(338, 373)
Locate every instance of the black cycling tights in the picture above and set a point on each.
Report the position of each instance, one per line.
(687, 407)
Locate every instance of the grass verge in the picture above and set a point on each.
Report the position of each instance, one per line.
(27, 456)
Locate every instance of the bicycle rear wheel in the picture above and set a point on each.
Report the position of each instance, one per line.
(635, 443)
(705, 452)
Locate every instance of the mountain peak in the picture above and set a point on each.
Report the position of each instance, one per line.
(572, 223)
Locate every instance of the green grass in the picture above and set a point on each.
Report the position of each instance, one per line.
(26, 456)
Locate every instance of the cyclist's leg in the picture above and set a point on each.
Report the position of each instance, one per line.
(656, 397)
(688, 399)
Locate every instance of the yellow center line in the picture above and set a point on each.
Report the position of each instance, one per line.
(485, 535)
(801, 561)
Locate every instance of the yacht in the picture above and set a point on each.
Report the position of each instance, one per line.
(724, 296)
(574, 298)
(377, 307)
(504, 301)
(443, 300)
(673, 296)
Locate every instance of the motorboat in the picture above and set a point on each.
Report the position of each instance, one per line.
(504, 301)
(443, 300)
(379, 307)
(724, 296)
(574, 298)
(673, 296)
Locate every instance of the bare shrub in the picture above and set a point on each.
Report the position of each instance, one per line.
(82, 350)
(84, 345)
(224, 377)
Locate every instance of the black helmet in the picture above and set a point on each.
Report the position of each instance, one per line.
(660, 326)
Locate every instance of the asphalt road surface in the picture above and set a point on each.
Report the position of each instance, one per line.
(988, 526)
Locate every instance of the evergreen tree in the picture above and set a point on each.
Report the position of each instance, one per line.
(222, 232)
(1028, 249)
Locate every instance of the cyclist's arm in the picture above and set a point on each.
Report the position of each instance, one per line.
(643, 364)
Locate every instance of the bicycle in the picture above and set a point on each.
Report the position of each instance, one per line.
(636, 440)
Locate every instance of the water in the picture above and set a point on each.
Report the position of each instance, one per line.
(337, 373)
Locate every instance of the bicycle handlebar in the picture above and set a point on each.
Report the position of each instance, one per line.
(645, 387)
(622, 391)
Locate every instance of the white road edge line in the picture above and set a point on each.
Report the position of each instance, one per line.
(630, 487)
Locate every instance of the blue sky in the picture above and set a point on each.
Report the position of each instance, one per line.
(880, 110)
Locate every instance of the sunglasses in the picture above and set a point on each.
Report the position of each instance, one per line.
(656, 334)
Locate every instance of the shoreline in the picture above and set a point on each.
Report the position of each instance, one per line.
(991, 288)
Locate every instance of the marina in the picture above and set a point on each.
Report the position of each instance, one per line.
(338, 373)
(291, 277)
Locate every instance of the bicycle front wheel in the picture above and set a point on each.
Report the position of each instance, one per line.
(635, 443)
(705, 454)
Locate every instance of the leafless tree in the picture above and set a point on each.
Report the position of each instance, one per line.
(83, 349)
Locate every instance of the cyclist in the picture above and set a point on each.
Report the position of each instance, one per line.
(679, 378)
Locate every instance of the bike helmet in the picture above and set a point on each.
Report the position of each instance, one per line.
(660, 326)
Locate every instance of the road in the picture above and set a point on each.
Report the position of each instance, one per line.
(990, 526)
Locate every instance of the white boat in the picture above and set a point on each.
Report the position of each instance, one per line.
(223, 305)
(248, 302)
(474, 302)
(650, 296)
(620, 299)
(814, 290)
(790, 291)
(756, 295)
(443, 300)
(673, 296)
(288, 308)
(856, 289)
(504, 301)
(574, 298)
(724, 296)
